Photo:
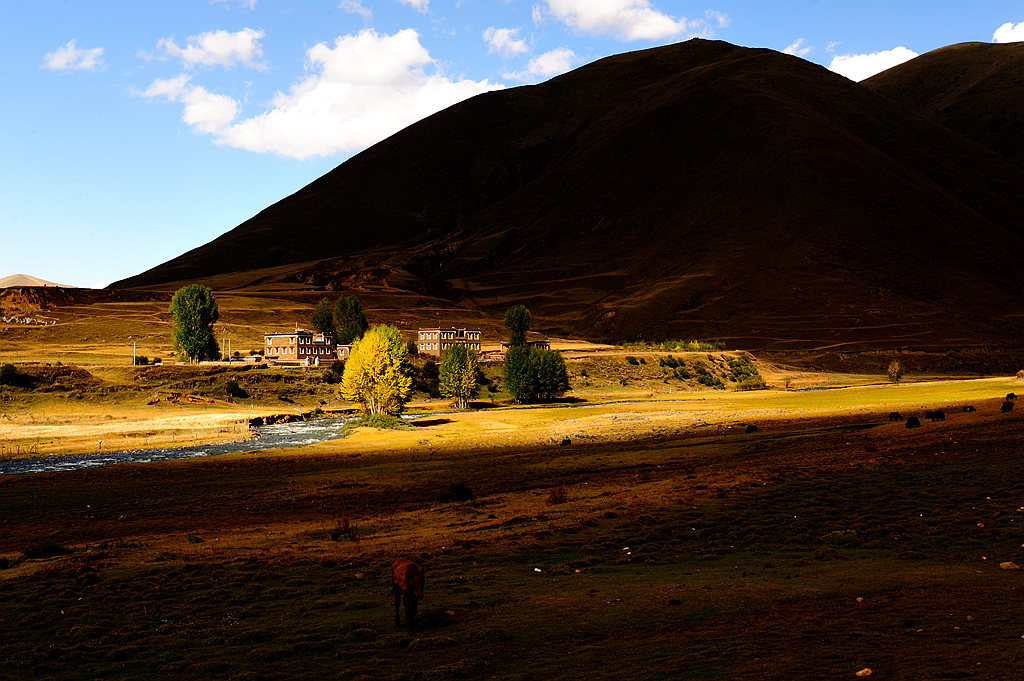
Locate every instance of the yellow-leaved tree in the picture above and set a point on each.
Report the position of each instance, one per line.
(377, 374)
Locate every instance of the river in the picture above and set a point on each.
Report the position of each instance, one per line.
(295, 434)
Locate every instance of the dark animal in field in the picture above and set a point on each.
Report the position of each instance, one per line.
(1010, 397)
(1007, 406)
(936, 415)
(969, 408)
(751, 428)
(913, 422)
(895, 416)
(407, 587)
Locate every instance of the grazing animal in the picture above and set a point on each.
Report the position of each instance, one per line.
(1007, 406)
(1010, 397)
(895, 416)
(937, 415)
(751, 428)
(407, 587)
(913, 422)
(969, 408)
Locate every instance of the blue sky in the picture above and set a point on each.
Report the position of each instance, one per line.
(133, 131)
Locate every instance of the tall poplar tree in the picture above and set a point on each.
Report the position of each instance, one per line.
(349, 320)
(457, 378)
(193, 314)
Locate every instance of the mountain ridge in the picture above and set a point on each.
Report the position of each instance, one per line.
(699, 189)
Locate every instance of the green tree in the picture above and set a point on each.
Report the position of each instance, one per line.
(517, 372)
(534, 374)
(193, 313)
(323, 318)
(349, 320)
(517, 321)
(895, 371)
(377, 373)
(457, 378)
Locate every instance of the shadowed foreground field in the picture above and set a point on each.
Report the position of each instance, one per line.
(811, 551)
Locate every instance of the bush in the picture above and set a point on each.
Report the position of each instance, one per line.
(744, 374)
(232, 389)
(630, 359)
(1020, 375)
(379, 421)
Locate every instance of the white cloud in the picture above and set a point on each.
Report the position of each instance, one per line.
(418, 5)
(627, 19)
(218, 48)
(537, 13)
(857, 67)
(363, 89)
(1009, 33)
(551, 63)
(504, 41)
(798, 48)
(719, 18)
(68, 57)
(205, 111)
(356, 7)
(250, 4)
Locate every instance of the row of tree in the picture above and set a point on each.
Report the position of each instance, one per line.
(378, 375)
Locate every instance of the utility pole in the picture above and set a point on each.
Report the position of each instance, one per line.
(133, 353)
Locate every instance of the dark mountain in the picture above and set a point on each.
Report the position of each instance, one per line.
(976, 89)
(694, 190)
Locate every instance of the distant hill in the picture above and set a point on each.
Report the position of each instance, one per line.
(24, 280)
(976, 89)
(695, 190)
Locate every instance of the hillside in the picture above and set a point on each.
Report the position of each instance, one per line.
(976, 89)
(694, 190)
(24, 280)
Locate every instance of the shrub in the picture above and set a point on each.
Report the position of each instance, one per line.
(378, 421)
(630, 359)
(1020, 375)
(744, 374)
(232, 389)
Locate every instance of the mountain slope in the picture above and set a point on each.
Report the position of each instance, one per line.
(976, 89)
(691, 190)
(24, 280)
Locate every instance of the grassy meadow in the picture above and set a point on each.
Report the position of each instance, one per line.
(640, 528)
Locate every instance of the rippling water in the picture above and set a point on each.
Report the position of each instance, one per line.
(294, 434)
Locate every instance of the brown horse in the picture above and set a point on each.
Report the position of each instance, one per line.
(407, 586)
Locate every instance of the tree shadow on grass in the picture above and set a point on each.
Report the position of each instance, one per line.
(426, 423)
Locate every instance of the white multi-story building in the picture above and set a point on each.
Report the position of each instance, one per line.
(437, 340)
